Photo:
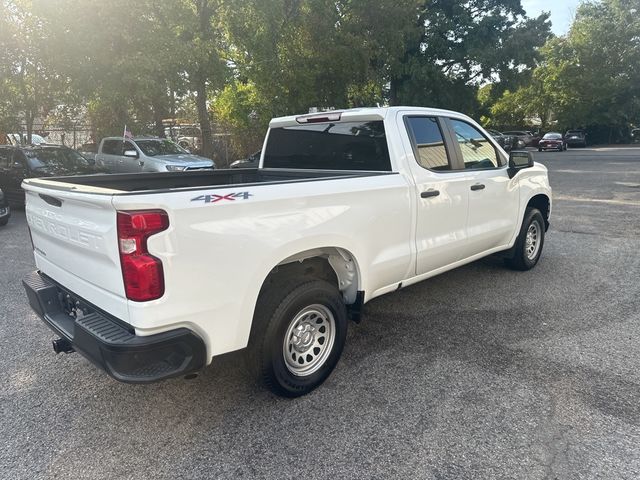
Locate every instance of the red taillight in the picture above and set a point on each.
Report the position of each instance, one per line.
(142, 273)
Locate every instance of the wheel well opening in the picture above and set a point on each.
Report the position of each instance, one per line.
(541, 202)
(331, 264)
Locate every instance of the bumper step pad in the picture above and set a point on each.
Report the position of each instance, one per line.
(108, 342)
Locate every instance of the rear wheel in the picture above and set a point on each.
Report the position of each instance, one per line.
(528, 247)
(297, 336)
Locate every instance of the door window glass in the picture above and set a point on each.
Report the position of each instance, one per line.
(477, 151)
(428, 144)
(5, 157)
(112, 147)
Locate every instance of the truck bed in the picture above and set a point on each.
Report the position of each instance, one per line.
(158, 182)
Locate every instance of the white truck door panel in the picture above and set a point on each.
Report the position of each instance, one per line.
(442, 194)
(493, 210)
(493, 196)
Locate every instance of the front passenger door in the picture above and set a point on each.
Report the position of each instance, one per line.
(493, 197)
(130, 164)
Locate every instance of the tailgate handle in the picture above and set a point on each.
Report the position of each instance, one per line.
(51, 200)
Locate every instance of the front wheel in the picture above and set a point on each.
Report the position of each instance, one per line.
(297, 337)
(528, 247)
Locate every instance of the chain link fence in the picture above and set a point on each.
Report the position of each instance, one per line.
(70, 136)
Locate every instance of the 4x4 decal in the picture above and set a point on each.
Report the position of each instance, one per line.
(214, 198)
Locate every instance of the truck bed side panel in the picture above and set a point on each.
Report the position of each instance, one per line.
(221, 245)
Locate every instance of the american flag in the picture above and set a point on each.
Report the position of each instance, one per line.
(127, 133)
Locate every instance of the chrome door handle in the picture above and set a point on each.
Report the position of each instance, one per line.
(430, 193)
(477, 186)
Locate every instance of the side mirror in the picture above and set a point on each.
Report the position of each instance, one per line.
(131, 153)
(519, 159)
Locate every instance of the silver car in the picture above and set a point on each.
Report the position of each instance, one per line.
(133, 155)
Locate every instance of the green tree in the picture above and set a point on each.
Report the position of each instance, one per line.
(460, 45)
(589, 77)
(29, 83)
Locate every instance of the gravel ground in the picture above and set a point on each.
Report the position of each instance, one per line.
(479, 373)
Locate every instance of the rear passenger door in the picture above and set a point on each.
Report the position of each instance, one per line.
(493, 196)
(442, 192)
(6, 161)
(13, 169)
(109, 153)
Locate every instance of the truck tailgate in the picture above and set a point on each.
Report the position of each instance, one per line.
(75, 243)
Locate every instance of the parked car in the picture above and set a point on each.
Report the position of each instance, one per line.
(19, 163)
(529, 139)
(252, 161)
(5, 210)
(635, 135)
(89, 151)
(145, 154)
(17, 139)
(188, 137)
(173, 269)
(508, 142)
(576, 138)
(552, 141)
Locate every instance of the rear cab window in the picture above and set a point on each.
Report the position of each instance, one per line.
(329, 146)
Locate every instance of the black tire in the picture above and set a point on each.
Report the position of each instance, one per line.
(539, 149)
(521, 258)
(276, 312)
(4, 221)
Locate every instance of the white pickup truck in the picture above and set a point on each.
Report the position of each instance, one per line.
(152, 275)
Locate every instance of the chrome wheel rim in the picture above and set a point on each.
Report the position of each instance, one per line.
(309, 340)
(532, 240)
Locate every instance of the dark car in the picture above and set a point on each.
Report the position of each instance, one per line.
(528, 138)
(552, 141)
(89, 150)
(5, 210)
(18, 163)
(576, 138)
(508, 142)
(252, 161)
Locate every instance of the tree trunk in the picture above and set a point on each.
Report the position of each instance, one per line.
(158, 112)
(203, 118)
(30, 117)
(203, 9)
(393, 91)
